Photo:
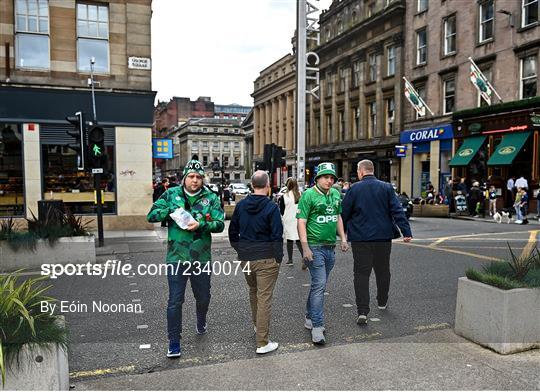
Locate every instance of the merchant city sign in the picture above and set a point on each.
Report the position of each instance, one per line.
(439, 132)
(313, 33)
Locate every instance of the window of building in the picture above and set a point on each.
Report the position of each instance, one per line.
(32, 34)
(528, 77)
(390, 115)
(529, 12)
(450, 35)
(226, 146)
(237, 145)
(11, 171)
(390, 61)
(449, 91)
(372, 117)
(340, 26)
(205, 145)
(215, 129)
(236, 161)
(205, 130)
(370, 8)
(357, 126)
(422, 5)
(194, 145)
(356, 74)
(342, 73)
(226, 161)
(92, 37)
(328, 127)
(342, 125)
(329, 84)
(205, 160)
(226, 130)
(372, 67)
(354, 16)
(421, 47)
(215, 146)
(486, 21)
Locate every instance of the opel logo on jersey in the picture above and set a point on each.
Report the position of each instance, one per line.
(327, 218)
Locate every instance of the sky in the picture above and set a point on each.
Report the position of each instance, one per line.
(217, 48)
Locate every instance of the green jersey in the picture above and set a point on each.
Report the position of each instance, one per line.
(321, 211)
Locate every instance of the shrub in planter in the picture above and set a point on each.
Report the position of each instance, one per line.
(22, 323)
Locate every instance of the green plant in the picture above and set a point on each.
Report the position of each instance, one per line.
(22, 321)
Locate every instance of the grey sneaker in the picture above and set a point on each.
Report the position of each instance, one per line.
(317, 335)
(362, 319)
(308, 324)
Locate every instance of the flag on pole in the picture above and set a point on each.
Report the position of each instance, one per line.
(414, 98)
(480, 82)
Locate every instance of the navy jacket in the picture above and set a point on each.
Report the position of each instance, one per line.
(256, 231)
(371, 211)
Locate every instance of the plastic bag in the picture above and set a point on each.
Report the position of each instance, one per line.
(182, 218)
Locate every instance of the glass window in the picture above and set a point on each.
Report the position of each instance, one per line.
(32, 34)
(391, 61)
(421, 47)
(63, 181)
(226, 161)
(11, 171)
(205, 160)
(236, 161)
(449, 96)
(237, 145)
(93, 37)
(372, 111)
(225, 145)
(356, 74)
(342, 125)
(205, 144)
(328, 127)
(215, 145)
(390, 115)
(194, 145)
(422, 5)
(329, 84)
(450, 35)
(529, 12)
(372, 67)
(357, 126)
(342, 73)
(486, 21)
(528, 77)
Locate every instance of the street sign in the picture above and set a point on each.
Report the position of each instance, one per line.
(96, 171)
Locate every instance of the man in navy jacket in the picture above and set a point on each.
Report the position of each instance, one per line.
(256, 233)
(370, 212)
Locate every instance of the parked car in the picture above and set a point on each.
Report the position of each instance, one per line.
(238, 189)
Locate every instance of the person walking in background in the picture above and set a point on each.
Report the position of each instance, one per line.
(256, 233)
(510, 192)
(371, 211)
(518, 205)
(522, 183)
(318, 221)
(189, 248)
(492, 195)
(475, 197)
(288, 206)
(538, 203)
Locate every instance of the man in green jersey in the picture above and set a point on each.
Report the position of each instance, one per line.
(189, 249)
(319, 218)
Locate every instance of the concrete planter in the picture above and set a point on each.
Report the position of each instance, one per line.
(506, 321)
(75, 250)
(38, 368)
(431, 210)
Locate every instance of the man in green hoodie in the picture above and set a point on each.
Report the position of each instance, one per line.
(188, 250)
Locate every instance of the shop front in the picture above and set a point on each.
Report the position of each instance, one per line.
(425, 156)
(499, 142)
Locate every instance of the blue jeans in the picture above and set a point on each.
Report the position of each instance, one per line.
(519, 214)
(200, 285)
(324, 258)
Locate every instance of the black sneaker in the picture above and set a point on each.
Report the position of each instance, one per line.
(382, 305)
(362, 319)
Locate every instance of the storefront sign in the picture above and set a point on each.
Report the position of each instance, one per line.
(162, 148)
(535, 119)
(440, 132)
(511, 129)
(401, 151)
(139, 63)
(466, 152)
(475, 127)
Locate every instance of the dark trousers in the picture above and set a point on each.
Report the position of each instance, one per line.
(290, 246)
(200, 285)
(368, 256)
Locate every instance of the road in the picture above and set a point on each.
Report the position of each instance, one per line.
(422, 298)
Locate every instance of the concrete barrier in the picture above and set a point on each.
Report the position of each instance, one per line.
(431, 210)
(75, 250)
(506, 321)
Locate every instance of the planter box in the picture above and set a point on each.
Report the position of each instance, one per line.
(40, 368)
(74, 250)
(229, 209)
(506, 321)
(431, 210)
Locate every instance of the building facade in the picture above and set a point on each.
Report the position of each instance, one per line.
(503, 39)
(358, 115)
(44, 71)
(274, 112)
(214, 139)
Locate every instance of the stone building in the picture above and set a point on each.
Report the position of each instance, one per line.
(359, 113)
(45, 63)
(274, 111)
(211, 139)
(503, 39)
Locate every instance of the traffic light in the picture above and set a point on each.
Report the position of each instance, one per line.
(79, 134)
(279, 157)
(96, 148)
(268, 155)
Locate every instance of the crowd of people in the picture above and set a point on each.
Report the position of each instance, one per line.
(367, 215)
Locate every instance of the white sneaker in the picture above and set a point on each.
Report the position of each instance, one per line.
(271, 346)
(317, 335)
(308, 324)
(518, 222)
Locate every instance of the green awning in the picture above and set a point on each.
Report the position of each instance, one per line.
(507, 150)
(467, 151)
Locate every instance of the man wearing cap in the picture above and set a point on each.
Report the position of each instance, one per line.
(189, 249)
(319, 218)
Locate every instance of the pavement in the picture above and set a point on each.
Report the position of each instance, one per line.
(437, 360)
(531, 217)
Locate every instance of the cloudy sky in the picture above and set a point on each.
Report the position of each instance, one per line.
(217, 48)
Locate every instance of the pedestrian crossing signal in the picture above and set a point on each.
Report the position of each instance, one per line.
(96, 148)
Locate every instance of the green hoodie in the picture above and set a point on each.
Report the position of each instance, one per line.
(186, 246)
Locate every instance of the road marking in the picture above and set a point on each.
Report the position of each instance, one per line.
(100, 372)
(450, 251)
(347, 305)
(306, 285)
(363, 336)
(472, 235)
(476, 247)
(290, 277)
(375, 319)
(144, 326)
(440, 240)
(136, 300)
(431, 327)
(133, 284)
(530, 245)
(134, 291)
(144, 346)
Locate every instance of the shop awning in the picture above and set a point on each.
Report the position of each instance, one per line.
(507, 150)
(467, 151)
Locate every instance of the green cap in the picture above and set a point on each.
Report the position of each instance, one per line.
(326, 168)
(194, 166)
